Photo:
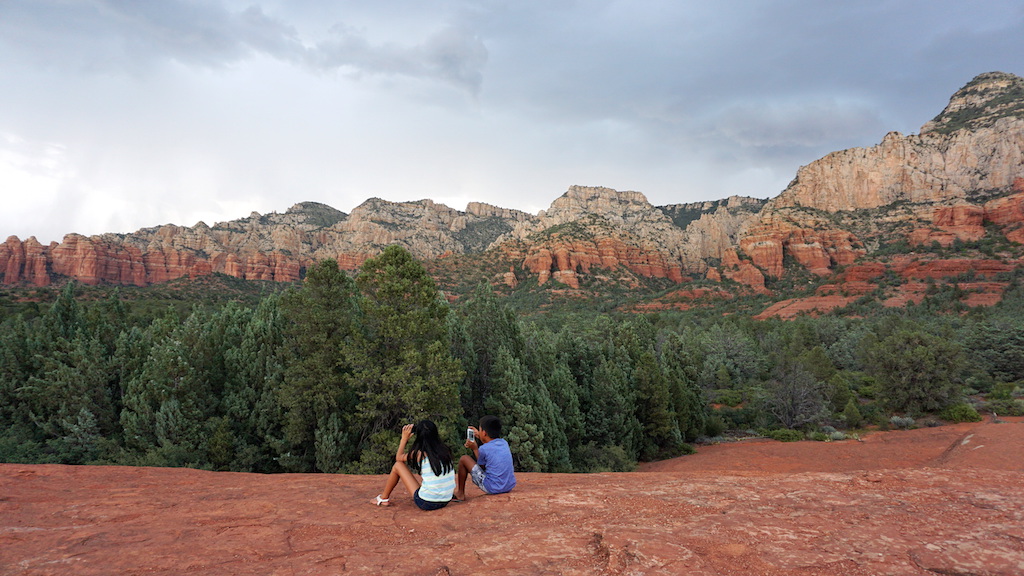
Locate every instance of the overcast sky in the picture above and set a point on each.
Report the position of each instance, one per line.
(121, 114)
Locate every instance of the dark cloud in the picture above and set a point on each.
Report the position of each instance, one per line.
(111, 35)
(451, 54)
(796, 125)
(240, 105)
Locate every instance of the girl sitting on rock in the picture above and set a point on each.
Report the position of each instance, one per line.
(434, 485)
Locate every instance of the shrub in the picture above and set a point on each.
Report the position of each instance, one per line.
(712, 439)
(904, 422)
(730, 398)
(851, 414)
(819, 437)
(742, 418)
(916, 371)
(1002, 391)
(593, 458)
(785, 435)
(714, 426)
(836, 436)
(1006, 407)
(961, 413)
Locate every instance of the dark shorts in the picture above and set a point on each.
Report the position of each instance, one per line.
(424, 505)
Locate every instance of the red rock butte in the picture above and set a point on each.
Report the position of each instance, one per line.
(946, 500)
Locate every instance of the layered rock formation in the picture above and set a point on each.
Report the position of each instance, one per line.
(590, 227)
(584, 229)
(961, 179)
(274, 247)
(976, 144)
(962, 172)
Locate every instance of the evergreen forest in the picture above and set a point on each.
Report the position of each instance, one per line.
(321, 377)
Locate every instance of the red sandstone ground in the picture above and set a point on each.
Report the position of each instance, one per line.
(947, 500)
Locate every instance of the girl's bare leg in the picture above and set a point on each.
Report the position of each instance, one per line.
(400, 471)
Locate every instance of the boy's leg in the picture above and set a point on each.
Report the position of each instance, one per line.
(466, 464)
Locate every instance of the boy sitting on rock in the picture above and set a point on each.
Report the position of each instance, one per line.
(490, 467)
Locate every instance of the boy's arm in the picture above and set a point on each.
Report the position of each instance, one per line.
(473, 445)
(481, 457)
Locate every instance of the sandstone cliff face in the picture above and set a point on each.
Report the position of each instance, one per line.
(275, 247)
(961, 179)
(925, 168)
(24, 261)
(594, 227)
(975, 144)
(590, 227)
(963, 171)
(712, 229)
(966, 222)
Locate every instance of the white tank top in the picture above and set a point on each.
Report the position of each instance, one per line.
(436, 488)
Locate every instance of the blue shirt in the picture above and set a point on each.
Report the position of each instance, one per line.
(495, 459)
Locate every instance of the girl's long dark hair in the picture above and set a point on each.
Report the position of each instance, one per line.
(428, 443)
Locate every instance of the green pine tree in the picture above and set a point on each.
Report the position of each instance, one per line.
(403, 369)
(320, 324)
(610, 418)
(660, 437)
(489, 325)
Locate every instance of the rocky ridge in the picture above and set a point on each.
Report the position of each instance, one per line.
(620, 229)
(961, 180)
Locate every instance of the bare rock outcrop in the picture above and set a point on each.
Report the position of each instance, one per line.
(273, 247)
(961, 179)
(811, 243)
(741, 271)
(591, 228)
(944, 500)
(594, 227)
(24, 261)
(976, 144)
(963, 171)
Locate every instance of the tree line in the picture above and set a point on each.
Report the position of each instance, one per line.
(320, 378)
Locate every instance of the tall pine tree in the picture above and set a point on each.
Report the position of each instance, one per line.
(320, 323)
(402, 367)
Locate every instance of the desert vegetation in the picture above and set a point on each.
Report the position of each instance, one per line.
(318, 377)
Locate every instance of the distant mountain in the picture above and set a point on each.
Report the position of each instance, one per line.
(847, 219)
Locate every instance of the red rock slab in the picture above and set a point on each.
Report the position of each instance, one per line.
(941, 512)
(994, 447)
(853, 288)
(812, 305)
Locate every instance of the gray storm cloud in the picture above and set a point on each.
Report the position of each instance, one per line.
(796, 124)
(120, 114)
(105, 35)
(452, 55)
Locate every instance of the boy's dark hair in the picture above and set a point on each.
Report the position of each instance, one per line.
(491, 425)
